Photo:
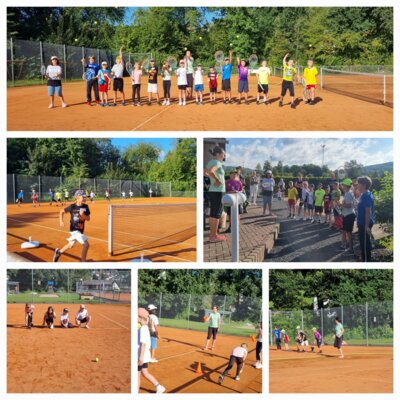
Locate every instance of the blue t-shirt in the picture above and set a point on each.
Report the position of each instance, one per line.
(226, 71)
(21, 195)
(366, 200)
(277, 333)
(92, 70)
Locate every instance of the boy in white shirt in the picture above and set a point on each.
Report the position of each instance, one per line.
(118, 83)
(199, 84)
(182, 82)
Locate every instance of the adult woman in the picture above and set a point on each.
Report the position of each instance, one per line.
(189, 60)
(254, 181)
(49, 317)
(154, 331)
(214, 324)
(217, 188)
(267, 185)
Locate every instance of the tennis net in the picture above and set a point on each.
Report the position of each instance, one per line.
(133, 228)
(375, 88)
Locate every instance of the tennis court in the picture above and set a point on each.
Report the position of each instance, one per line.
(333, 111)
(159, 236)
(41, 360)
(363, 370)
(179, 353)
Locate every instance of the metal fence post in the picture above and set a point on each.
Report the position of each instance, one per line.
(366, 321)
(94, 185)
(79, 182)
(342, 315)
(12, 62)
(170, 189)
(40, 189)
(159, 313)
(223, 312)
(270, 326)
(302, 320)
(83, 56)
(98, 56)
(322, 324)
(32, 285)
(61, 183)
(384, 89)
(14, 188)
(41, 57)
(190, 298)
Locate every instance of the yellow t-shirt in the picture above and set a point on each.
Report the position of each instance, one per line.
(288, 73)
(310, 75)
(263, 75)
(58, 195)
(292, 193)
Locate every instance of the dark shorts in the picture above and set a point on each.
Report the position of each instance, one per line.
(143, 366)
(49, 321)
(262, 88)
(212, 332)
(318, 209)
(287, 85)
(83, 321)
(310, 206)
(182, 87)
(215, 204)
(189, 78)
(338, 342)
(226, 85)
(301, 204)
(348, 223)
(118, 84)
(213, 90)
(243, 86)
(327, 210)
(319, 343)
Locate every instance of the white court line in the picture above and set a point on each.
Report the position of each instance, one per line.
(155, 115)
(178, 355)
(115, 322)
(100, 240)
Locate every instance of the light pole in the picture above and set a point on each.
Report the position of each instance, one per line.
(323, 154)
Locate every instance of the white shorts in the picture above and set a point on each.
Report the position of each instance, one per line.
(304, 343)
(152, 88)
(76, 236)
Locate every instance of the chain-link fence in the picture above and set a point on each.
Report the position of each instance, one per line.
(41, 185)
(239, 315)
(25, 59)
(364, 324)
(68, 286)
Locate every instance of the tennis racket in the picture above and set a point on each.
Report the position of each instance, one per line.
(172, 61)
(87, 75)
(129, 67)
(253, 60)
(43, 70)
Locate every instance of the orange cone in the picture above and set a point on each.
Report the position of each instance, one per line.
(199, 369)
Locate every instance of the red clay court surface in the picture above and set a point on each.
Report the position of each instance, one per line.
(332, 112)
(42, 224)
(179, 351)
(43, 360)
(363, 370)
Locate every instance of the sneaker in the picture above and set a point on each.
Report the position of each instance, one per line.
(221, 379)
(238, 103)
(293, 106)
(123, 104)
(139, 104)
(257, 102)
(89, 103)
(218, 238)
(107, 105)
(57, 255)
(258, 366)
(180, 102)
(201, 103)
(160, 389)
(114, 104)
(312, 220)
(153, 360)
(311, 103)
(64, 105)
(304, 219)
(312, 349)
(290, 216)
(280, 103)
(265, 102)
(167, 103)
(87, 327)
(293, 217)
(164, 103)
(101, 104)
(184, 103)
(247, 103)
(237, 378)
(158, 103)
(51, 106)
(149, 103)
(97, 102)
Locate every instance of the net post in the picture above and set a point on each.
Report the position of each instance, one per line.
(14, 188)
(366, 321)
(12, 61)
(322, 77)
(384, 89)
(188, 318)
(110, 230)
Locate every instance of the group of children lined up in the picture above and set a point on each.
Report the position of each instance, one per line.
(342, 203)
(49, 318)
(99, 78)
(302, 342)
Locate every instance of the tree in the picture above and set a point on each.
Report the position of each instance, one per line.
(353, 168)
(267, 166)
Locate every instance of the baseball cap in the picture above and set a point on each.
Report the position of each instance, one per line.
(82, 306)
(80, 192)
(65, 310)
(104, 63)
(347, 182)
(269, 172)
(53, 58)
(151, 307)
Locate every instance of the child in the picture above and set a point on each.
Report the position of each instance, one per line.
(277, 334)
(136, 77)
(92, 196)
(83, 317)
(263, 73)
(64, 319)
(336, 223)
(123, 195)
(328, 205)
(49, 317)
(226, 78)
(292, 197)
(66, 196)
(303, 200)
(152, 86)
(58, 198)
(118, 83)
(258, 363)
(182, 82)
(339, 330)
(154, 331)
(289, 72)
(80, 213)
(189, 61)
(349, 216)
(319, 200)
(281, 189)
(51, 194)
(317, 340)
(285, 338)
(243, 84)
(365, 217)
(238, 356)
(35, 198)
(310, 75)
(166, 72)
(20, 198)
(310, 203)
(105, 77)
(213, 84)
(29, 309)
(54, 74)
(303, 341)
(130, 194)
(214, 323)
(91, 71)
(144, 343)
(232, 185)
(198, 84)
(107, 195)
(299, 187)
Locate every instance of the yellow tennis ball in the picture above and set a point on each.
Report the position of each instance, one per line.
(97, 359)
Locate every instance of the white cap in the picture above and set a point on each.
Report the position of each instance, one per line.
(82, 306)
(151, 307)
(54, 58)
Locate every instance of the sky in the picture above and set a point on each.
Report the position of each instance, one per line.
(366, 151)
(165, 144)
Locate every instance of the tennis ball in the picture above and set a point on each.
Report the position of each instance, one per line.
(200, 38)
(76, 40)
(237, 36)
(310, 45)
(185, 48)
(95, 22)
(231, 45)
(97, 359)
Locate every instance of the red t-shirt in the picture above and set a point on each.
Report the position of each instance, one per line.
(212, 76)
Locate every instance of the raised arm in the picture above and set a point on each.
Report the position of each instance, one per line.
(285, 58)
(121, 61)
(238, 61)
(230, 56)
(83, 61)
